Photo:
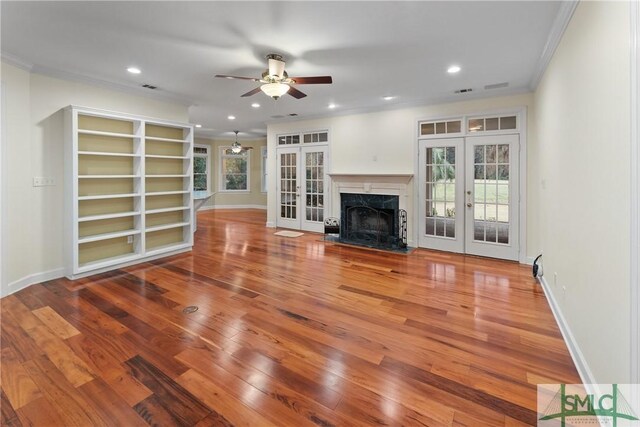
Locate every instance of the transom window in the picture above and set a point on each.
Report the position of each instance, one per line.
(315, 137)
(234, 170)
(318, 137)
(485, 124)
(289, 139)
(441, 127)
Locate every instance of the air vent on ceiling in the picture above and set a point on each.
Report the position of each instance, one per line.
(147, 86)
(463, 90)
(293, 114)
(496, 85)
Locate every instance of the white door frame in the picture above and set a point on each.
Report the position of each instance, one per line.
(285, 222)
(318, 227)
(521, 113)
(300, 223)
(635, 193)
(471, 246)
(449, 244)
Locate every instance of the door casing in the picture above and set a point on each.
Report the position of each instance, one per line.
(301, 223)
(521, 131)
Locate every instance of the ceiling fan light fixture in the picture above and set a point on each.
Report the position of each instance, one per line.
(236, 147)
(275, 90)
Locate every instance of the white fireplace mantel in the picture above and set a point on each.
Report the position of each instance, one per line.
(390, 184)
(404, 177)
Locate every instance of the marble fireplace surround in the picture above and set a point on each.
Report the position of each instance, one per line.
(390, 184)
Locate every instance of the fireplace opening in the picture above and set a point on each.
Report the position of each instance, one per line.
(372, 220)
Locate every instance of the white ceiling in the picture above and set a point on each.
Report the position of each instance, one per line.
(372, 49)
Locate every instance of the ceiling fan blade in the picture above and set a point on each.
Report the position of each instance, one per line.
(236, 77)
(251, 92)
(312, 80)
(276, 68)
(296, 93)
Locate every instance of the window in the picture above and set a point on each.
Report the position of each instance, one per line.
(263, 152)
(485, 124)
(234, 170)
(315, 137)
(201, 166)
(289, 139)
(435, 128)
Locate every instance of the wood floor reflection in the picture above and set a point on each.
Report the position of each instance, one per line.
(288, 331)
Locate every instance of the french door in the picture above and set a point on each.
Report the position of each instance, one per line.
(469, 193)
(441, 189)
(302, 187)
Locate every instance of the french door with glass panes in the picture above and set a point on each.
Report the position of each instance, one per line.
(441, 187)
(302, 187)
(469, 195)
(492, 196)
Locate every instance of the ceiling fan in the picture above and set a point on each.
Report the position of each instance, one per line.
(276, 81)
(236, 147)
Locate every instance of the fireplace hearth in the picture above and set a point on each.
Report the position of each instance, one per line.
(372, 220)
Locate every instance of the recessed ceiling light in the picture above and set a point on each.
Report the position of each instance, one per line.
(198, 126)
(231, 117)
(332, 106)
(453, 69)
(388, 98)
(134, 70)
(255, 105)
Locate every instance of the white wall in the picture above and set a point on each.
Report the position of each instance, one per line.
(251, 199)
(583, 123)
(32, 228)
(390, 138)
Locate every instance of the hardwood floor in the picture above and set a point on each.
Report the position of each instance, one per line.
(289, 331)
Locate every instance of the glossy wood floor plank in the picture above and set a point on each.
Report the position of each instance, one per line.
(289, 331)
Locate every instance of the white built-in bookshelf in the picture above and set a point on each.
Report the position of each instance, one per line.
(128, 189)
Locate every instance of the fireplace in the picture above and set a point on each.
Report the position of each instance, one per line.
(372, 220)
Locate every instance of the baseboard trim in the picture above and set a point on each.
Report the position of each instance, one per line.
(31, 279)
(271, 224)
(130, 263)
(574, 349)
(207, 208)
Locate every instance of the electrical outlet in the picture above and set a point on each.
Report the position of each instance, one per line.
(129, 239)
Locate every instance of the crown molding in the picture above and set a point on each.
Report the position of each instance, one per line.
(555, 35)
(79, 78)
(485, 94)
(15, 61)
(120, 87)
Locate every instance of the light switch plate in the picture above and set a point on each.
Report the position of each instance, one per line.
(43, 181)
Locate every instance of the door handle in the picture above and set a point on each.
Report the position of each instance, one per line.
(469, 205)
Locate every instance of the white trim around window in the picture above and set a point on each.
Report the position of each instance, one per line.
(263, 161)
(221, 175)
(207, 156)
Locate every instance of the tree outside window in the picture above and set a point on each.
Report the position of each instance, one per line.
(234, 169)
(200, 168)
